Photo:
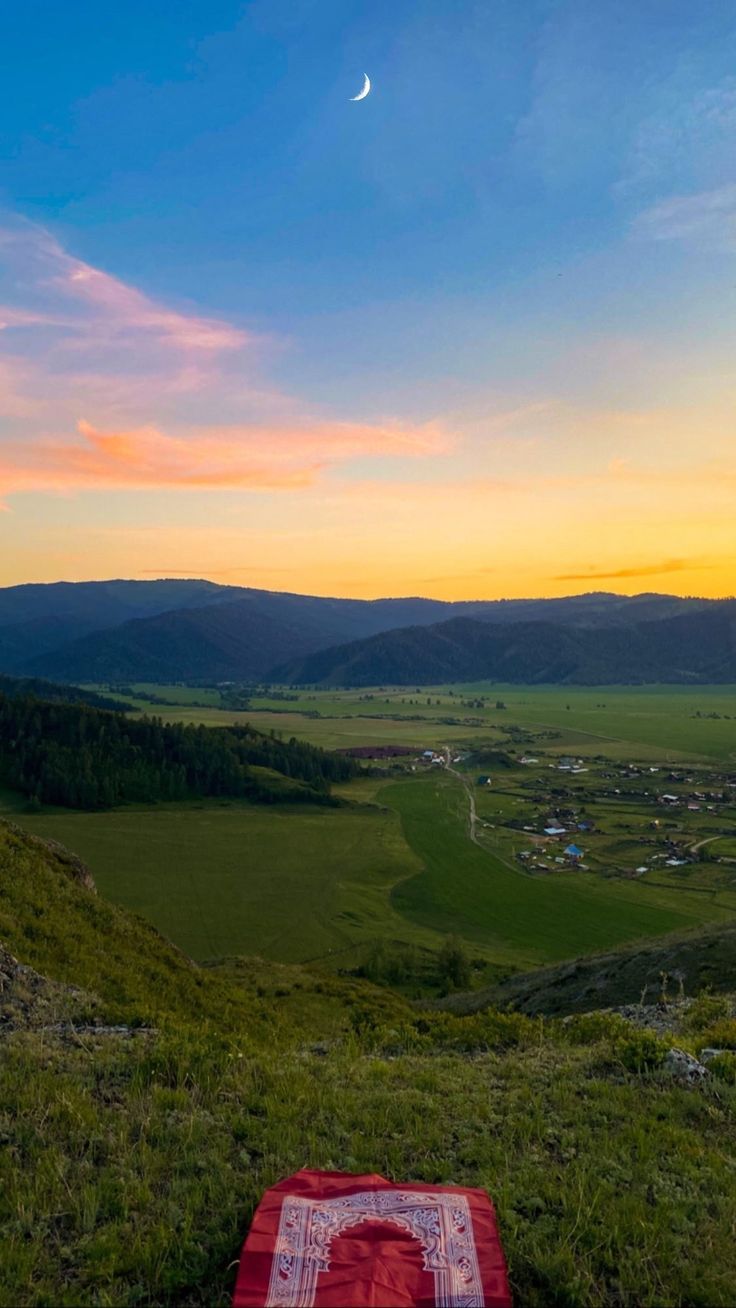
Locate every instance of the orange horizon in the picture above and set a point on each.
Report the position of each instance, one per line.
(215, 577)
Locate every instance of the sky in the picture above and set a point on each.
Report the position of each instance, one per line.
(471, 337)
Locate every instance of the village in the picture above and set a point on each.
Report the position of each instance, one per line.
(561, 814)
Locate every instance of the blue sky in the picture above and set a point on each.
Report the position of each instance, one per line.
(536, 206)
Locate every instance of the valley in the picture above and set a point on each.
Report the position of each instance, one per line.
(395, 866)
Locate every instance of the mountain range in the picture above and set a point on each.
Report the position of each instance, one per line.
(195, 630)
(697, 647)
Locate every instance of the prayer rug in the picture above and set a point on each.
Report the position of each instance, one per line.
(331, 1240)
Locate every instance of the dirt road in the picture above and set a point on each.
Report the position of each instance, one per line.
(467, 787)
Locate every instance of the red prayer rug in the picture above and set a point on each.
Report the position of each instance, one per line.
(333, 1240)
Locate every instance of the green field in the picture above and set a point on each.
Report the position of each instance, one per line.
(647, 722)
(289, 885)
(298, 885)
(524, 919)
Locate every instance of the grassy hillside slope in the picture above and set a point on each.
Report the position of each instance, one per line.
(703, 959)
(132, 1160)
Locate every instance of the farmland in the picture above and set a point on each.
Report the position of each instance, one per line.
(658, 722)
(396, 863)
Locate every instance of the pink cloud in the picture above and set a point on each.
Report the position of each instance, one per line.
(85, 297)
(166, 394)
(255, 457)
(126, 309)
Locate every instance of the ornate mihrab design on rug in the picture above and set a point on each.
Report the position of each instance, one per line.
(441, 1224)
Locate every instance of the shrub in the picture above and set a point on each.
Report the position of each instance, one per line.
(641, 1051)
(706, 1010)
(723, 1066)
(722, 1035)
(590, 1028)
(479, 1032)
(453, 963)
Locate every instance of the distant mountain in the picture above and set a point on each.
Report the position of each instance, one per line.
(37, 618)
(195, 630)
(697, 647)
(231, 640)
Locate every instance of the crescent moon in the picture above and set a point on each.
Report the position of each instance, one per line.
(364, 92)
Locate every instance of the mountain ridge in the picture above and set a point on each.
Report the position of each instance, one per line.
(196, 630)
(690, 648)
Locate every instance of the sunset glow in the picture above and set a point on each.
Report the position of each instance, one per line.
(537, 400)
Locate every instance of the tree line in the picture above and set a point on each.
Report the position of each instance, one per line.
(82, 757)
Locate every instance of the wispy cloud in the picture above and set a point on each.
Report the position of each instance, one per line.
(706, 216)
(85, 298)
(104, 386)
(643, 570)
(252, 458)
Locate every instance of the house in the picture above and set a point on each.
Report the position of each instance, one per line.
(483, 781)
(555, 831)
(574, 852)
(586, 824)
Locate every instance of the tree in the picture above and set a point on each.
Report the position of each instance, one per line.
(454, 964)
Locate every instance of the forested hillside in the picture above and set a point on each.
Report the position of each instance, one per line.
(23, 687)
(82, 757)
(697, 648)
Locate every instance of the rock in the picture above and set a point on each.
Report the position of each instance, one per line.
(684, 1068)
(67, 862)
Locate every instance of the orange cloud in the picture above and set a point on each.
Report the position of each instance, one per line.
(255, 457)
(647, 570)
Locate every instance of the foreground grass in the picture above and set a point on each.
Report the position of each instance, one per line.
(131, 1168)
(131, 1164)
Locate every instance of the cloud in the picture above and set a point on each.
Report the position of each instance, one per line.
(685, 138)
(90, 299)
(704, 217)
(103, 386)
(249, 458)
(646, 570)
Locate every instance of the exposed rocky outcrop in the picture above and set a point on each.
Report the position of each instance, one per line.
(68, 863)
(28, 999)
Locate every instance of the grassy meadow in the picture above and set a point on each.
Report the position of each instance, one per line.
(295, 885)
(646, 722)
(290, 885)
